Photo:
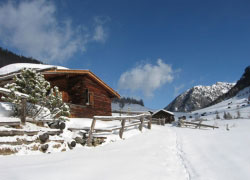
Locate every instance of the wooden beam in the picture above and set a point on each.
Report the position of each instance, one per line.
(150, 122)
(89, 141)
(132, 112)
(109, 118)
(23, 111)
(122, 128)
(141, 125)
(195, 124)
(16, 132)
(10, 123)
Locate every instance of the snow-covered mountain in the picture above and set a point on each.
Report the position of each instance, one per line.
(198, 97)
(236, 106)
(244, 82)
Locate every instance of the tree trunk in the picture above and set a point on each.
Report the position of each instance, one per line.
(23, 111)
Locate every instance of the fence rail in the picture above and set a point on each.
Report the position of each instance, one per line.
(141, 120)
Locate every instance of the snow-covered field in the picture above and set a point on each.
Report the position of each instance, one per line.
(161, 153)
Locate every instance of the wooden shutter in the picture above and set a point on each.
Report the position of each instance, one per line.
(91, 98)
(65, 96)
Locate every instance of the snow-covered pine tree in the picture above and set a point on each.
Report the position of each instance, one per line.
(41, 95)
(217, 115)
(56, 105)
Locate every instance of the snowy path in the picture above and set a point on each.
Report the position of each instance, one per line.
(218, 154)
(152, 155)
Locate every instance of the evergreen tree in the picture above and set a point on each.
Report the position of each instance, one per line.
(56, 105)
(229, 116)
(225, 115)
(41, 95)
(217, 115)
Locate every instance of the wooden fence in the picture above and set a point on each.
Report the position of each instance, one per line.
(138, 120)
(23, 101)
(195, 125)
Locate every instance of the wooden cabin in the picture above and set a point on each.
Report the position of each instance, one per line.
(164, 114)
(83, 91)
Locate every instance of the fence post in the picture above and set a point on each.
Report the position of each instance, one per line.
(150, 122)
(23, 110)
(164, 121)
(141, 125)
(89, 141)
(122, 128)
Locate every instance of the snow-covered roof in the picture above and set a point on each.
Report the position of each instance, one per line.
(18, 66)
(164, 111)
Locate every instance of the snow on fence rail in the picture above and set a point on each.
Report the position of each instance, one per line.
(142, 119)
(196, 125)
(131, 112)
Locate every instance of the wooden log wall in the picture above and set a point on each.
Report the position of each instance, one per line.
(102, 99)
(75, 87)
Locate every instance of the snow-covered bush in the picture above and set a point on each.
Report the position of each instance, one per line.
(238, 115)
(227, 116)
(217, 115)
(41, 95)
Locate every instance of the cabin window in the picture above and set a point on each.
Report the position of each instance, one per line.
(86, 96)
(89, 97)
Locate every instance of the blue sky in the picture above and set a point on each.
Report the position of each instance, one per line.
(152, 50)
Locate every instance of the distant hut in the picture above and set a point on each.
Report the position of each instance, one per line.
(164, 114)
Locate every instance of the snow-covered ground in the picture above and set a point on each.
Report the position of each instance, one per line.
(161, 153)
(216, 154)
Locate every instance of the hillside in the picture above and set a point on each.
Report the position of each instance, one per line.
(240, 85)
(236, 106)
(8, 57)
(198, 97)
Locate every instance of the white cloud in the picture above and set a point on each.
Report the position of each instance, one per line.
(147, 78)
(99, 34)
(33, 28)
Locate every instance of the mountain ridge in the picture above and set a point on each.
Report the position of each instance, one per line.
(198, 97)
(242, 83)
(7, 57)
